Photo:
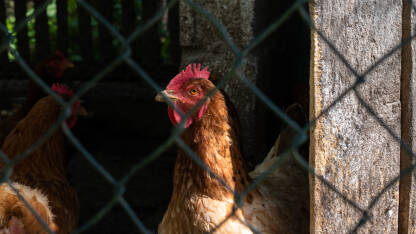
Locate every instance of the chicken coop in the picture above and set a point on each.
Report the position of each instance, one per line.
(347, 65)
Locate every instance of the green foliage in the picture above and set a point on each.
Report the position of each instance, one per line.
(31, 29)
(73, 29)
(10, 22)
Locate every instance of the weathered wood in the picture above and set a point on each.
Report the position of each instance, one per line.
(106, 39)
(3, 55)
(348, 146)
(42, 33)
(62, 18)
(129, 24)
(173, 27)
(128, 17)
(150, 54)
(407, 218)
(202, 43)
(22, 38)
(85, 31)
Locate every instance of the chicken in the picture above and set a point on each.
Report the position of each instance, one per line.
(16, 217)
(199, 202)
(44, 168)
(50, 70)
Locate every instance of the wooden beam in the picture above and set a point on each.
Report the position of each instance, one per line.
(407, 218)
(107, 51)
(150, 54)
(85, 33)
(349, 148)
(41, 33)
(3, 55)
(62, 19)
(22, 38)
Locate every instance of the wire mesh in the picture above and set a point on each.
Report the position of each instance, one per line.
(125, 57)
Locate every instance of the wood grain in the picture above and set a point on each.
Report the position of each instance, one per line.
(349, 147)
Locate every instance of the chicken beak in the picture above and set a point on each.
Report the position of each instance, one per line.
(82, 111)
(167, 94)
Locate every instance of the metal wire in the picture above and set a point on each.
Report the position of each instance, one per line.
(125, 57)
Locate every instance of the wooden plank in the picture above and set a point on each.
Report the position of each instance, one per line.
(22, 38)
(128, 17)
(85, 31)
(348, 146)
(41, 33)
(150, 54)
(3, 55)
(106, 39)
(407, 218)
(173, 27)
(129, 23)
(62, 20)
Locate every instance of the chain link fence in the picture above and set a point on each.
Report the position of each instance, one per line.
(119, 185)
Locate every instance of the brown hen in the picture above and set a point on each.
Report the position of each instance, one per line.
(50, 70)
(44, 168)
(199, 202)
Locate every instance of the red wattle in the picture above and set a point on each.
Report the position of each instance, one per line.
(175, 118)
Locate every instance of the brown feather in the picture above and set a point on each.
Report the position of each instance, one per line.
(44, 169)
(16, 217)
(35, 93)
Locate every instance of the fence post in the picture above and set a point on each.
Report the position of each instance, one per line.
(22, 38)
(150, 54)
(42, 33)
(407, 218)
(85, 33)
(3, 55)
(349, 147)
(107, 50)
(62, 18)
(202, 43)
(173, 27)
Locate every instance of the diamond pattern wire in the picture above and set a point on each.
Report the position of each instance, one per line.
(125, 57)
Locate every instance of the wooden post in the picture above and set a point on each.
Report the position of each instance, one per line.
(85, 33)
(349, 147)
(62, 19)
(42, 33)
(173, 27)
(3, 55)
(22, 38)
(407, 218)
(128, 17)
(106, 39)
(150, 54)
(130, 22)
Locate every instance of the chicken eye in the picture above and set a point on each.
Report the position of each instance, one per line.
(193, 92)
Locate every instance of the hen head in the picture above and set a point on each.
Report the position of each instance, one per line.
(77, 108)
(54, 66)
(185, 90)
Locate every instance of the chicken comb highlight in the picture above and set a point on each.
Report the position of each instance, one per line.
(192, 71)
(62, 89)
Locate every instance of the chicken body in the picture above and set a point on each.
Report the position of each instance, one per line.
(50, 70)
(16, 217)
(200, 203)
(44, 168)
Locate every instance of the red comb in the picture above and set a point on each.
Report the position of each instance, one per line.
(192, 71)
(62, 89)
